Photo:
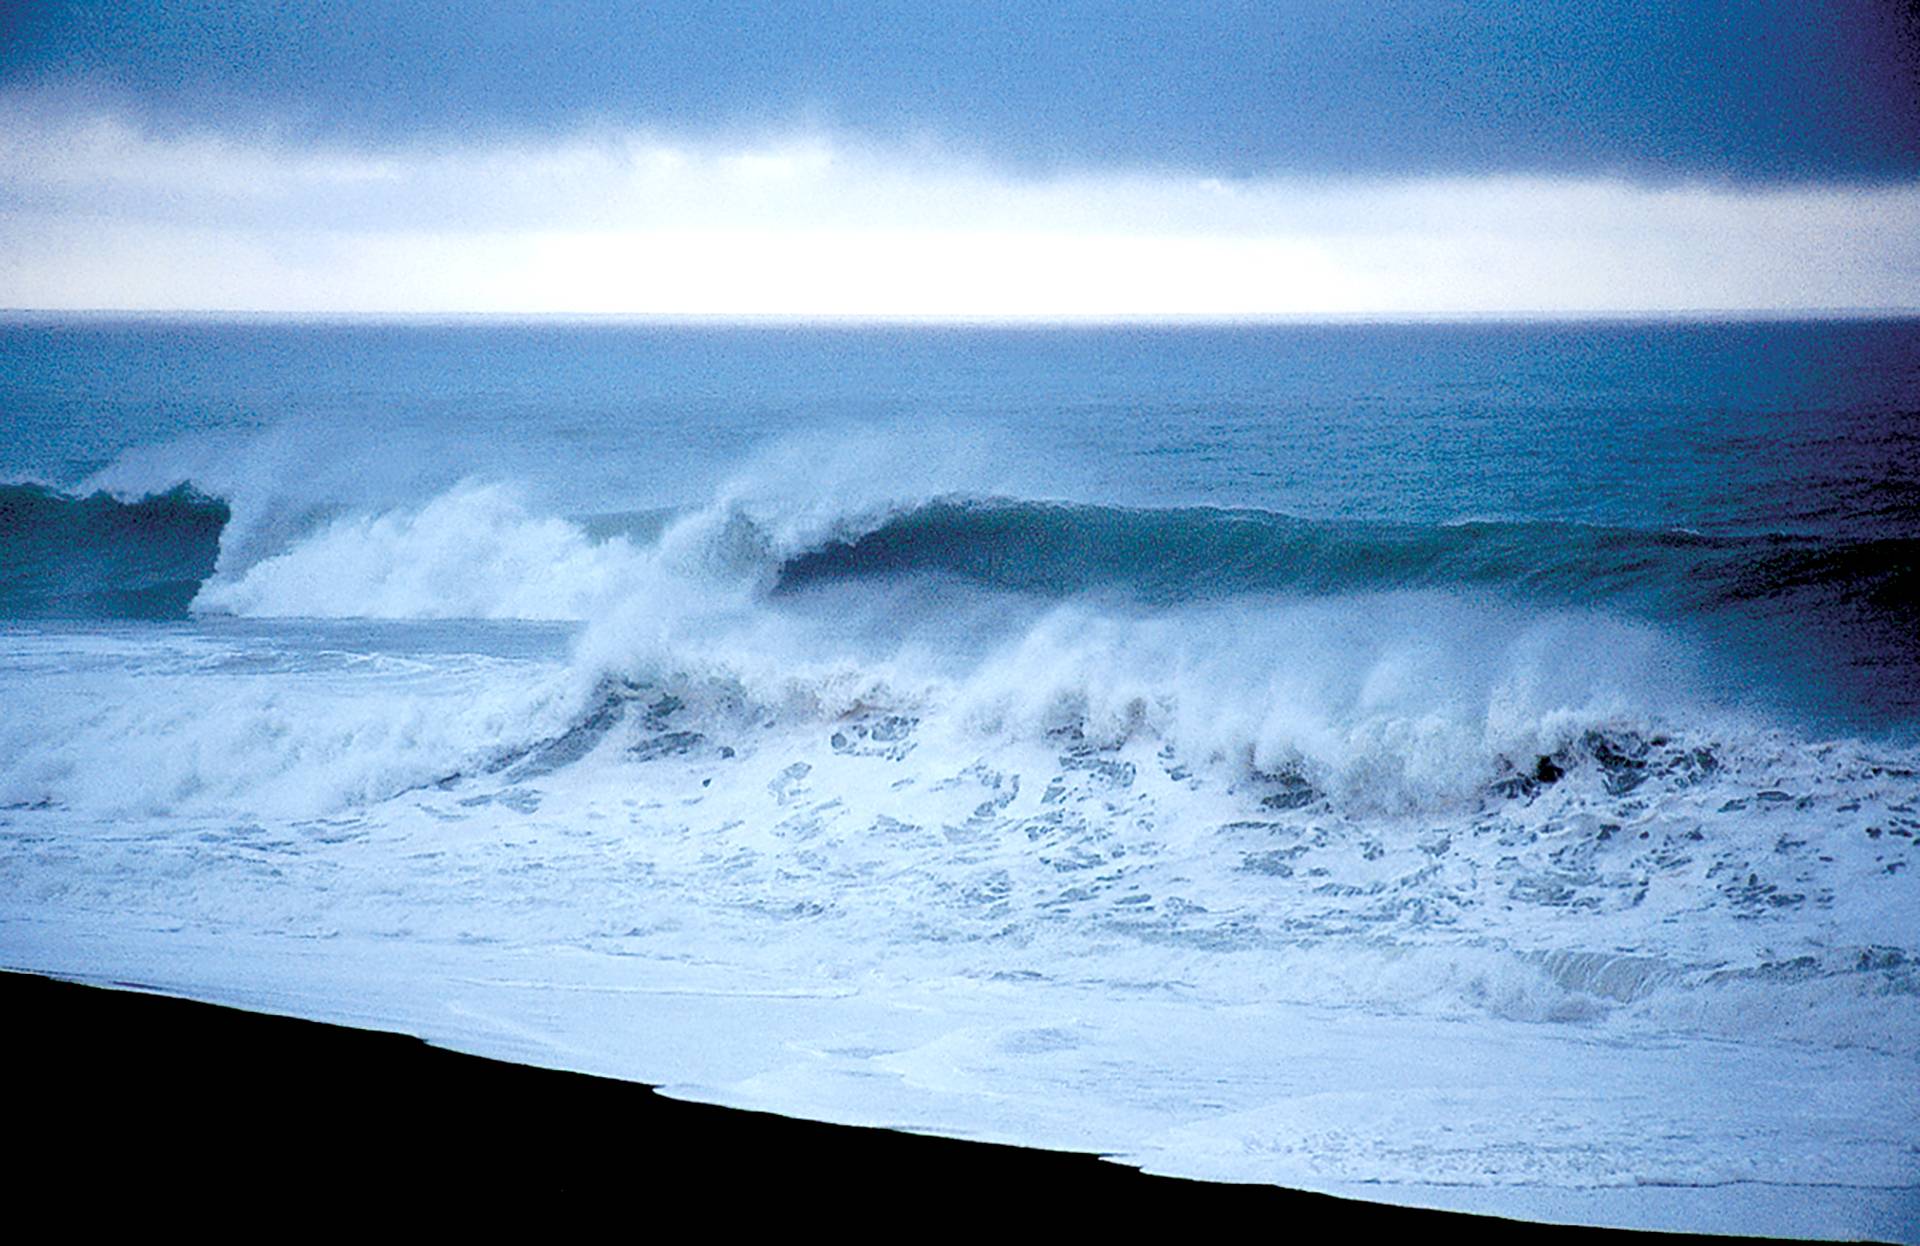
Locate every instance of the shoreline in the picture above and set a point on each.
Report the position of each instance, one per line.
(203, 1107)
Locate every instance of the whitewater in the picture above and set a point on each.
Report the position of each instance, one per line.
(1470, 766)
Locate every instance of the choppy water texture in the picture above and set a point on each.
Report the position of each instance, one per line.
(1473, 763)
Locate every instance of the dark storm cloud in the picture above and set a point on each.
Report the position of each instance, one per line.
(1766, 90)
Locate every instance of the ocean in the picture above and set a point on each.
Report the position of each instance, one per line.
(1465, 763)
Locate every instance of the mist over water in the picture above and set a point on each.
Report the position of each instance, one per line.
(1563, 675)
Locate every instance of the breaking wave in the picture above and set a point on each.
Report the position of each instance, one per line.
(1823, 623)
(476, 551)
(1211, 729)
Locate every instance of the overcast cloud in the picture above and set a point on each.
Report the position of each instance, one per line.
(940, 159)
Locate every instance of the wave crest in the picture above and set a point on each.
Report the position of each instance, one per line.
(472, 552)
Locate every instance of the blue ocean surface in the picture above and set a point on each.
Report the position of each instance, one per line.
(1562, 675)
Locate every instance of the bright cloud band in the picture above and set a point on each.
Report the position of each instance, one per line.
(97, 214)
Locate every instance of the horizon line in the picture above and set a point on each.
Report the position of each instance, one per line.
(984, 320)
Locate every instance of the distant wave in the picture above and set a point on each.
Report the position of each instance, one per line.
(100, 556)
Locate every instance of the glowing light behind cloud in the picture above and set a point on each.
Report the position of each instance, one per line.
(97, 214)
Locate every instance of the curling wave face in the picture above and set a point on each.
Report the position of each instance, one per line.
(100, 556)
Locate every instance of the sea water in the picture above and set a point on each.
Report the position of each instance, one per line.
(1468, 763)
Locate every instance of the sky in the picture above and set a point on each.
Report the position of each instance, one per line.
(976, 159)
